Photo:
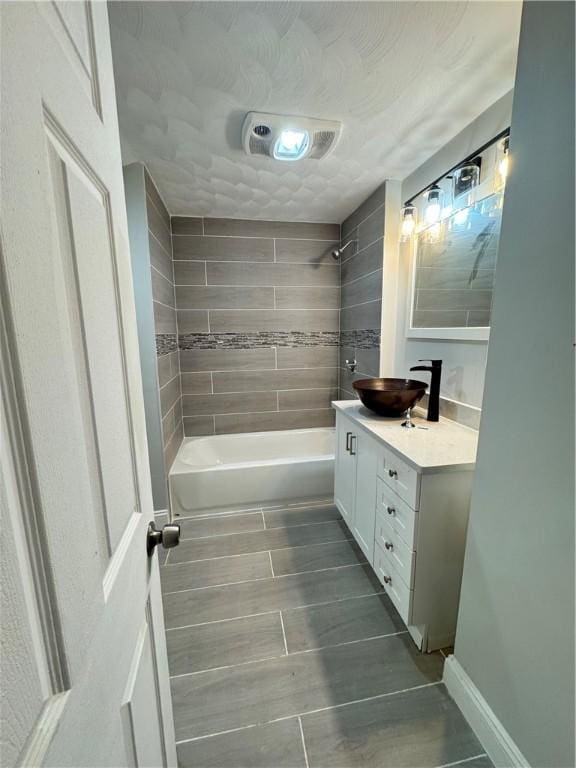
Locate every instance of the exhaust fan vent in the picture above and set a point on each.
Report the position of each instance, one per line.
(258, 146)
(287, 137)
(321, 143)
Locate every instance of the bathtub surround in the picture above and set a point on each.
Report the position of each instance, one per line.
(163, 294)
(153, 278)
(257, 306)
(361, 291)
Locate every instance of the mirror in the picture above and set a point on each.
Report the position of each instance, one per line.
(454, 250)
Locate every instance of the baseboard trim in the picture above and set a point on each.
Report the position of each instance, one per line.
(495, 739)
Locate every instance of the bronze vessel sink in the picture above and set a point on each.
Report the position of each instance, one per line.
(390, 397)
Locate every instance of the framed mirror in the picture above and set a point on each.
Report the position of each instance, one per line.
(454, 250)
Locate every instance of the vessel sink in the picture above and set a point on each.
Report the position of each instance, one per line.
(390, 397)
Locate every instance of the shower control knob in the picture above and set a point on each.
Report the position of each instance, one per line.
(169, 537)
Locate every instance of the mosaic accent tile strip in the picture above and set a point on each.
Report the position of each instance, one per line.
(166, 343)
(364, 339)
(255, 339)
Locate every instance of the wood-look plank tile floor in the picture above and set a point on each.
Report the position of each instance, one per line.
(285, 652)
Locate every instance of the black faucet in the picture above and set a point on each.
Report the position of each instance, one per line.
(434, 394)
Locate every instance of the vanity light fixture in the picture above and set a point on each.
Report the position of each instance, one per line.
(503, 165)
(408, 222)
(433, 197)
(465, 177)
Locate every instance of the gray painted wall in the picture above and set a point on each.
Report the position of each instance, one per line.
(515, 635)
(257, 305)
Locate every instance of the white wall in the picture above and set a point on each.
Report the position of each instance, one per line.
(515, 636)
(464, 362)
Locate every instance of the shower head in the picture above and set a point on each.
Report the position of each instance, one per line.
(337, 252)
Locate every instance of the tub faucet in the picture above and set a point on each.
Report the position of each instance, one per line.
(435, 368)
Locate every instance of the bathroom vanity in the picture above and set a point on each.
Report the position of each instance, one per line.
(405, 494)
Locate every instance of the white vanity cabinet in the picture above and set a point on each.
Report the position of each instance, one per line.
(354, 489)
(405, 494)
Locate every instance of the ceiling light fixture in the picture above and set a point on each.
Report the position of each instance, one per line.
(289, 137)
(291, 145)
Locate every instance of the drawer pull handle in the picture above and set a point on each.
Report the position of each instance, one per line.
(387, 580)
(388, 545)
(348, 436)
(352, 453)
(391, 510)
(392, 473)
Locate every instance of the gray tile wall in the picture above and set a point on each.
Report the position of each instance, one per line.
(163, 294)
(361, 291)
(257, 313)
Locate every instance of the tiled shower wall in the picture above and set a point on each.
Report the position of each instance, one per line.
(257, 305)
(163, 294)
(361, 291)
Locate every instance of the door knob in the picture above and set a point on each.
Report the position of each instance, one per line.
(169, 537)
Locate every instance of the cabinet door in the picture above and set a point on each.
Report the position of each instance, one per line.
(345, 470)
(365, 493)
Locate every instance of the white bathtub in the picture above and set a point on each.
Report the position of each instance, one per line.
(257, 469)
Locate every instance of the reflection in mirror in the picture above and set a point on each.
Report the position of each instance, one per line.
(453, 253)
(454, 268)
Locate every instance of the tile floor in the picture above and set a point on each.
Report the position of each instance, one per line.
(284, 652)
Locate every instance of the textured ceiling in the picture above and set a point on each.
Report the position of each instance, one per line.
(403, 77)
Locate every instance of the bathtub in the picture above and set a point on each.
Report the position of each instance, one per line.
(257, 469)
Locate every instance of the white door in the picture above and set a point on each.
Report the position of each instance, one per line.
(345, 469)
(84, 669)
(365, 494)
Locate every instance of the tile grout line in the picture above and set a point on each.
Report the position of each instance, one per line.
(364, 219)
(255, 552)
(271, 564)
(264, 528)
(291, 608)
(259, 530)
(262, 578)
(283, 633)
(159, 243)
(463, 762)
(309, 712)
(286, 655)
(303, 742)
(296, 506)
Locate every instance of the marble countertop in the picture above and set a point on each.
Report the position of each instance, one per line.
(431, 447)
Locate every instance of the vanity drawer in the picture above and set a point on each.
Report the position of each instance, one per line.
(401, 517)
(397, 551)
(400, 477)
(395, 588)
